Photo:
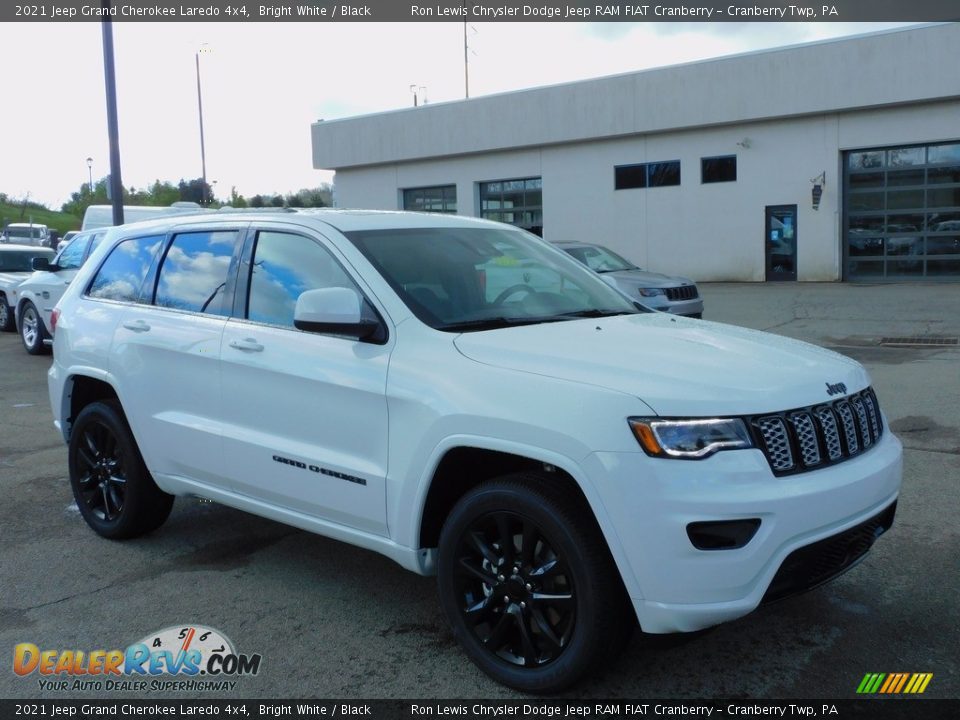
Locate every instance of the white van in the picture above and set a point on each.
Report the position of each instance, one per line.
(99, 216)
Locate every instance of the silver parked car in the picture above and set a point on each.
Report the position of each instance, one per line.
(677, 295)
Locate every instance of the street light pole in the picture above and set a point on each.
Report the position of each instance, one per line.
(90, 173)
(115, 184)
(203, 154)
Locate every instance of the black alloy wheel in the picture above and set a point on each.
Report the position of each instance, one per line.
(528, 584)
(516, 594)
(113, 488)
(102, 480)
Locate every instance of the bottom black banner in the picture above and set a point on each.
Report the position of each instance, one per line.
(874, 709)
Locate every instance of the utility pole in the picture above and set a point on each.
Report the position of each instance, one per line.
(203, 154)
(466, 73)
(113, 128)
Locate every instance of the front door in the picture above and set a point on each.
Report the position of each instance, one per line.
(305, 414)
(780, 242)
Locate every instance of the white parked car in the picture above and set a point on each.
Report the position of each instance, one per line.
(25, 234)
(16, 264)
(37, 295)
(566, 463)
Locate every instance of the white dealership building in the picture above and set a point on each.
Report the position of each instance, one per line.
(833, 160)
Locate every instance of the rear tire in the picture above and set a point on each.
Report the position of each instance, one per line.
(111, 484)
(6, 315)
(32, 331)
(528, 584)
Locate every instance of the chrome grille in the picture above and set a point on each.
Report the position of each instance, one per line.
(686, 292)
(861, 412)
(808, 438)
(830, 431)
(777, 442)
(849, 429)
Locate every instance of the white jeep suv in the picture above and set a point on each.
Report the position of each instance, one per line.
(566, 463)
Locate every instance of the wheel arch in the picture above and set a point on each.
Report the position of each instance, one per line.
(80, 390)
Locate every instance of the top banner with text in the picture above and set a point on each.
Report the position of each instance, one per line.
(493, 11)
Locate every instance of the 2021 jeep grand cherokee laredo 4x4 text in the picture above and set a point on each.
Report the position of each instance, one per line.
(565, 462)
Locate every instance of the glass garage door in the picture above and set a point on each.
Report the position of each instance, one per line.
(902, 212)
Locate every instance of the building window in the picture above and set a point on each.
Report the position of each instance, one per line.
(718, 169)
(646, 175)
(517, 202)
(439, 199)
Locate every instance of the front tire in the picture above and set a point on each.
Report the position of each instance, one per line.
(111, 484)
(528, 584)
(32, 332)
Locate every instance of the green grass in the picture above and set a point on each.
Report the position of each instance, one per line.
(54, 220)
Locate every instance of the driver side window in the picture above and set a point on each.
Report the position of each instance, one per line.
(284, 266)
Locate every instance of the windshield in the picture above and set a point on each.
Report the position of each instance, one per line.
(599, 259)
(460, 279)
(20, 260)
(24, 232)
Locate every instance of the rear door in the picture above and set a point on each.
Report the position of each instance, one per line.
(166, 352)
(305, 414)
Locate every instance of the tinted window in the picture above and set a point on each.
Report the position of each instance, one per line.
(284, 266)
(655, 174)
(474, 278)
(123, 272)
(194, 272)
(718, 169)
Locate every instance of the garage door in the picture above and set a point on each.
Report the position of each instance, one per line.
(902, 212)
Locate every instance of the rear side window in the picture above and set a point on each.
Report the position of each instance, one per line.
(123, 272)
(194, 272)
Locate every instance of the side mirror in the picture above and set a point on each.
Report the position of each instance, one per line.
(42, 263)
(337, 311)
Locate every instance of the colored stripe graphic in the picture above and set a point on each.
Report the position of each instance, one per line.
(894, 683)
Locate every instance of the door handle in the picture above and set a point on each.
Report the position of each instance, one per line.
(136, 325)
(247, 344)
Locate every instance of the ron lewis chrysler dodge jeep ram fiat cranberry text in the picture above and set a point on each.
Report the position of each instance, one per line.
(566, 462)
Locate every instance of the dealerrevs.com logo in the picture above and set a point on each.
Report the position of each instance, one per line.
(181, 657)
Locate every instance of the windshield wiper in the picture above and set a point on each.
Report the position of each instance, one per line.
(594, 313)
(494, 323)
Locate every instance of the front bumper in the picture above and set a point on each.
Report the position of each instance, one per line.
(688, 308)
(676, 587)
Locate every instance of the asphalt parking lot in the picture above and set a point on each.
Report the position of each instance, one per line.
(333, 621)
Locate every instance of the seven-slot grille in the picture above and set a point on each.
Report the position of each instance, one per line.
(686, 292)
(813, 437)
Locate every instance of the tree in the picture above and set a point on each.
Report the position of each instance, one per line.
(237, 200)
(257, 201)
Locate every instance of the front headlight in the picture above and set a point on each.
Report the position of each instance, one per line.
(690, 439)
(652, 292)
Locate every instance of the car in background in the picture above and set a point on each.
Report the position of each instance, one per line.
(25, 234)
(36, 296)
(16, 264)
(677, 295)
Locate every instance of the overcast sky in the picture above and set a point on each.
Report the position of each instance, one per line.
(264, 84)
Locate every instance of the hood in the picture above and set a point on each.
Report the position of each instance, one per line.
(12, 279)
(642, 278)
(677, 366)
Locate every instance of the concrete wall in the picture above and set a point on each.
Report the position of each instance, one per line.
(799, 109)
(900, 66)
